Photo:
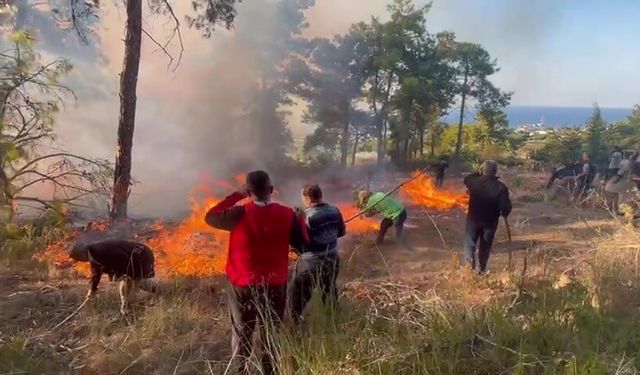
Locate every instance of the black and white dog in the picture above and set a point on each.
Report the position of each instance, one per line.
(127, 262)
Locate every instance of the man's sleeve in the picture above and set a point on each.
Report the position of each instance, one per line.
(505, 202)
(469, 179)
(342, 227)
(225, 215)
(299, 236)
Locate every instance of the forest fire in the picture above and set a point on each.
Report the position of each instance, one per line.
(422, 191)
(191, 248)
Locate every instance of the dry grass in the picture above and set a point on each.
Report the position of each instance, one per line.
(562, 313)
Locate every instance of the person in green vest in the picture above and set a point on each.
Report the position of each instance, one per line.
(394, 214)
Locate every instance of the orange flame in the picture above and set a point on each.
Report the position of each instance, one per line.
(192, 248)
(359, 225)
(422, 191)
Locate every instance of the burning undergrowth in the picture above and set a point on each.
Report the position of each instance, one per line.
(192, 248)
(422, 191)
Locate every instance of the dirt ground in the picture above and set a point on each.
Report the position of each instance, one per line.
(34, 299)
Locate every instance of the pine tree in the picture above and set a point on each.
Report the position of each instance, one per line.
(594, 136)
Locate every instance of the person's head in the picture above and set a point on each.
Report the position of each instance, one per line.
(586, 156)
(311, 195)
(363, 197)
(617, 149)
(259, 185)
(79, 252)
(568, 163)
(489, 168)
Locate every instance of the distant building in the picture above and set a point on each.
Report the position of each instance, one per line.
(533, 129)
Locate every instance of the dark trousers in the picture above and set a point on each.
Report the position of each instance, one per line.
(439, 180)
(313, 272)
(398, 224)
(250, 307)
(611, 172)
(478, 236)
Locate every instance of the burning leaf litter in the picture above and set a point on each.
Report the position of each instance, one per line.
(193, 248)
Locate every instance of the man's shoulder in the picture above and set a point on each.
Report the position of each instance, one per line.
(501, 185)
(377, 195)
(281, 208)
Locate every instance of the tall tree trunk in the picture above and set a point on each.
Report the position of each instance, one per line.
(421, 142)
(344, 141)
(380, 136)
(126, 124)
(460, 129)
(406, 153)
(355, 149)
(433, 145)
(381, 125)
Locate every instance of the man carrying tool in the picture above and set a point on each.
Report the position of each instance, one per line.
(319, 263)
(393, 212)
(257, 263)
(488, 200)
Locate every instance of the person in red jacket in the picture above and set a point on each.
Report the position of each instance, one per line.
(257, 263)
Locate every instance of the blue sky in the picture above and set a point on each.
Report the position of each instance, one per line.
(567, 52)
(552, 52)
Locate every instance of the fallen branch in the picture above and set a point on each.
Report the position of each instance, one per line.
(520, 291)
(386, 195)
(70, 316)
(436, 226)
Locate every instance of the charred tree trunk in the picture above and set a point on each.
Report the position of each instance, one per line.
(126, 123)
(460, 123)
(344, 141)
(421, 141)
(406, 152)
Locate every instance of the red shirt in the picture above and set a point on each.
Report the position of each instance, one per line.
(260, 238)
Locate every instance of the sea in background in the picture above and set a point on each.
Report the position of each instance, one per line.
(553, 117)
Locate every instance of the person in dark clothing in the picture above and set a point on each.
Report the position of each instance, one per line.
(586, 176)
(488, 200)
(569, 170)
(257, 264)
(634, 167)
(319, 263)
(125, 261)
(440, 168)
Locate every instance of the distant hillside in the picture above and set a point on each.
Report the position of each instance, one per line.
(550, 116)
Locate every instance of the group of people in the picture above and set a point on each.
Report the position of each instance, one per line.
(262, 232)
(575, 177)
(621, 176)
(261, 235)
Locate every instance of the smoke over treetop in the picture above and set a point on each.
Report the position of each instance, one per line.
(224, 105)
